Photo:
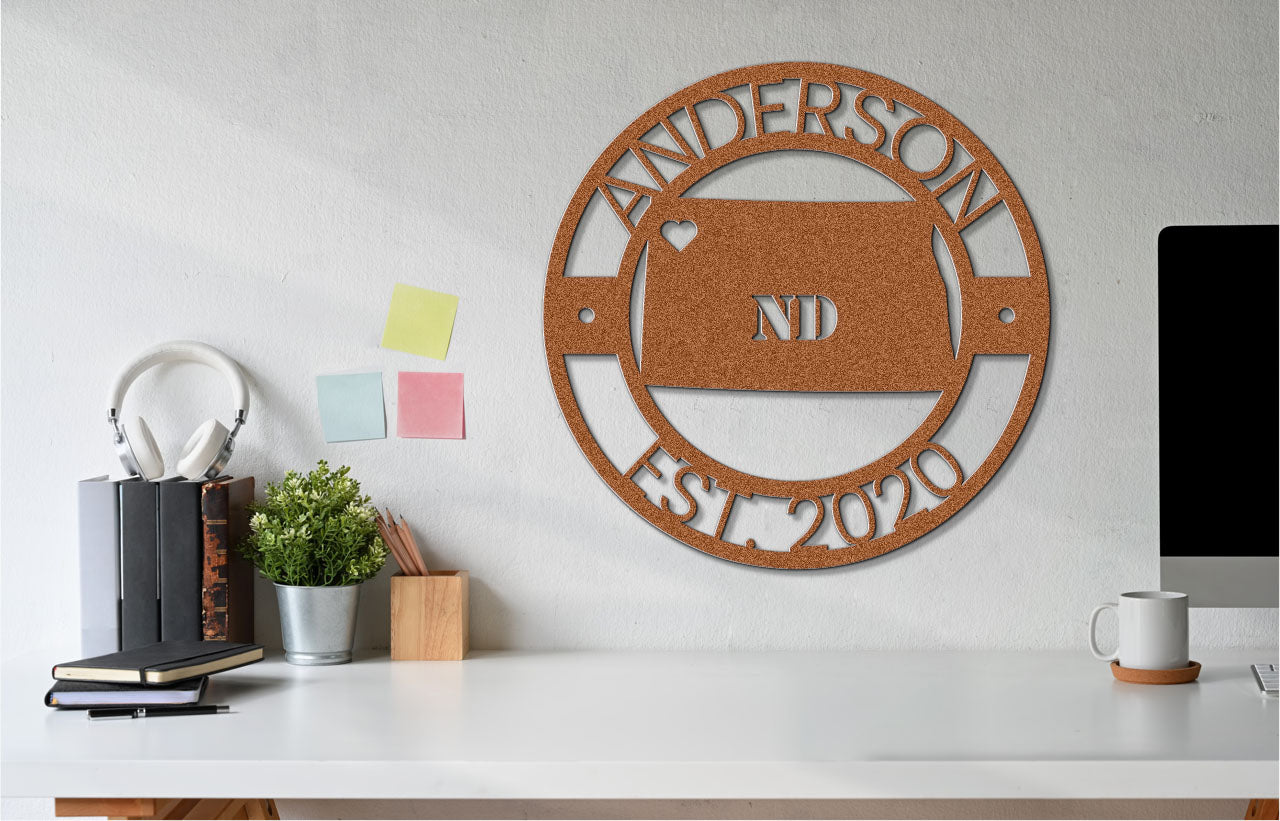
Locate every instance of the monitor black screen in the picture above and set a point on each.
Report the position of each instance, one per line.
(1218, 291)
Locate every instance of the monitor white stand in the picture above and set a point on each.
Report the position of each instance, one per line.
(1223, 581)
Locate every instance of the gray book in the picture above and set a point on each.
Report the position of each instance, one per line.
(99, 521)
(181, 559)
(139, 565)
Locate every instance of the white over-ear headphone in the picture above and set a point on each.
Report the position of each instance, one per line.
(209, 448)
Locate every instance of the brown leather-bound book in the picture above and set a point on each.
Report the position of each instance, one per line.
(227, 586)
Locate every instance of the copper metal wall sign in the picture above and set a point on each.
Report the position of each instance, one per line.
(796, 296)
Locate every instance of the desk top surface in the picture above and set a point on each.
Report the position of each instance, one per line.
(670, 725)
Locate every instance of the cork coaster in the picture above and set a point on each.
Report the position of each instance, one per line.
(1179, 676)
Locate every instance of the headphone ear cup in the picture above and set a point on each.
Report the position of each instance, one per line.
(145, 450)
(202, 449)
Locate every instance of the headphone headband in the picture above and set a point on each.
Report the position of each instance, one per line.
(181, 351)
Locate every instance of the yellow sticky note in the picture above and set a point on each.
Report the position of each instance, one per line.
(420, 321)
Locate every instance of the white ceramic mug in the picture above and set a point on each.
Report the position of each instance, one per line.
(1153, 631)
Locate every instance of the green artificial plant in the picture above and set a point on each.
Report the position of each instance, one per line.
(315, 531)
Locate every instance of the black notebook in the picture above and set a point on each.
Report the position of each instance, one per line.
(161, 663)
(81, 695)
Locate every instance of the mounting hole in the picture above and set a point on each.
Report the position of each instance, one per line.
(586, 315)
(1006, 315)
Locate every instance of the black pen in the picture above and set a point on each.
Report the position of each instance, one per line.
(145, 712)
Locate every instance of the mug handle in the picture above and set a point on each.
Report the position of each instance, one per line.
(1093, 633)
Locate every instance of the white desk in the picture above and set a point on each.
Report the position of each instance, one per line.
(667, 725)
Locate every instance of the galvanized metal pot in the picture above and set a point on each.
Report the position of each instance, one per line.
(318, 624)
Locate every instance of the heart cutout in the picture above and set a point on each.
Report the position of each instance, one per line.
(679, 234)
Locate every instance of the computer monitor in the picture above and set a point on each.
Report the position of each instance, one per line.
(1218, 292)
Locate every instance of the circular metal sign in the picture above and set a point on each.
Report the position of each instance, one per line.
(797, 296)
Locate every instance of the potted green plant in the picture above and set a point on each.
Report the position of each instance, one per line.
(316, 538)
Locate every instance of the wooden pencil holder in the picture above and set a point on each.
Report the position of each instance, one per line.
(430, 617)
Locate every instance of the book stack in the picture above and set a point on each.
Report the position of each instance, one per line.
(158, 562)
(170, 673)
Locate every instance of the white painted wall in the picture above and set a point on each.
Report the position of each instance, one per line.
(259, 175)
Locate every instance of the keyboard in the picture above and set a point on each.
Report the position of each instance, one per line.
(1268, 678)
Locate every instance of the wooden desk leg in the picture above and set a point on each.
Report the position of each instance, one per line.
(146, 809)
(261, 808)
(1260, 808)
(110, 807)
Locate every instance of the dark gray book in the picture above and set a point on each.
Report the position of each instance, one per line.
(98, 503)
(181, 557)
(139, 566)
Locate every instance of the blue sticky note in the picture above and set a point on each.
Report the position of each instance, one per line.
(351, 406)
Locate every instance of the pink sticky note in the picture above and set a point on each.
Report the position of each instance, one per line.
(429, 406)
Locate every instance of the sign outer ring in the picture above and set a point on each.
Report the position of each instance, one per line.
(563, 332)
